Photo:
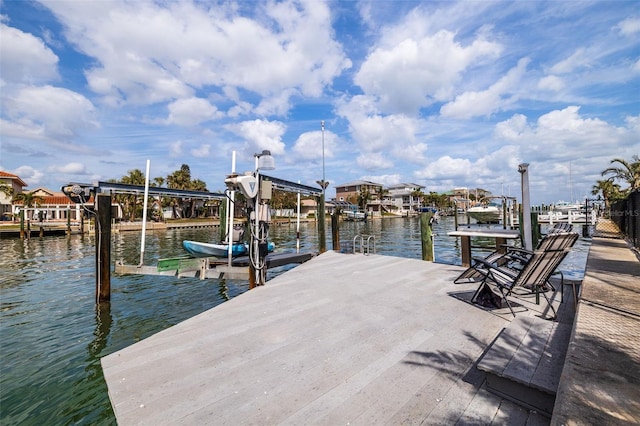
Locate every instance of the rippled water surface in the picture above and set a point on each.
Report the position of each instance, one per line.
(52, 335)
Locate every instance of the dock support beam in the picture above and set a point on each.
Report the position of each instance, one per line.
(103, 248)
(322, 236)
(21, 224)
(335, 231)
(426, 232)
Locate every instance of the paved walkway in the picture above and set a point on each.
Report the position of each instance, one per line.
(600, 382)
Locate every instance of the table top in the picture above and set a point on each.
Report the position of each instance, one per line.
(489, 233)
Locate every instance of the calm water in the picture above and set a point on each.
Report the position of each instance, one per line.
(52, 335)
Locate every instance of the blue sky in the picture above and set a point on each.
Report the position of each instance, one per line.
(442, 94)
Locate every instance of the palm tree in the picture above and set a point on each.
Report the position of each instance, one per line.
(364, 196)
(610, 191)
(628, 172)
(6, 189)
(196, 185)
(129, 202)
(417, 195)
(28, 199)
(180, 179)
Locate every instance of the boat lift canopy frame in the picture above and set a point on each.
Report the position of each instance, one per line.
(71, 191)
(285, 185)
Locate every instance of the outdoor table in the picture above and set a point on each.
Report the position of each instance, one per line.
(501, 236)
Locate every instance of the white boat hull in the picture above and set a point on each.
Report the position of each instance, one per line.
(488, 214)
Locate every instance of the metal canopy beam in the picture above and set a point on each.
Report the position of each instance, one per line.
(285, 185)
(121, 188)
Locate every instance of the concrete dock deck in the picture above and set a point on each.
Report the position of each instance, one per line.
(341, 339)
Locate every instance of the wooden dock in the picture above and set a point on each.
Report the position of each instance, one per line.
(340, 339)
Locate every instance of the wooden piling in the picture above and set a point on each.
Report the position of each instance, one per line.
(335, 231)
(103, 248)
(22, 224)
(426, 235)
(455, 216)
(68, 222)
(536, 234)
(322, 237)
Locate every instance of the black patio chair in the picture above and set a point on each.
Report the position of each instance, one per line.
(531, 279)
(515, 257)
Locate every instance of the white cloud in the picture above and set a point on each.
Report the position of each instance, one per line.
(552, 83)
(579, 59)
(51, 111)
(373, 161)
(260, 135)
(175, 149)
(69, 168)
(154, 52)
(375, 133)
(499, 96)
(25, 58)
(202, 151)
(446, 168)
(31, 176)
(629, 26)
(385, 180)
(513, 128)
(308, 146)
(416, 72)
(191, 112)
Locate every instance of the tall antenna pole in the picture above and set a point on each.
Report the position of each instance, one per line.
(323, 176)
(321, 210)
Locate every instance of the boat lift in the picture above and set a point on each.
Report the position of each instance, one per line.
(257, 195)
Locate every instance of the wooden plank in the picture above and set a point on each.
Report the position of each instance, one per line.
(547, 375)
(502, 351)
(525, 360)
(176, 263)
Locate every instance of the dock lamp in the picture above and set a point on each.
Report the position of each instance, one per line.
(525, 226)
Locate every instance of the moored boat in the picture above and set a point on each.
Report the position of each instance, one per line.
(489, 213)
(354, 215)
(200, 249)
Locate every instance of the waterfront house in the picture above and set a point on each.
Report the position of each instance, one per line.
(352, 191)
(14, 185)
(53, 206)
(405, 197)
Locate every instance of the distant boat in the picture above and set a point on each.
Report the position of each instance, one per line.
(199, 249)
(353, 216)
(565, 207)
(490, 213)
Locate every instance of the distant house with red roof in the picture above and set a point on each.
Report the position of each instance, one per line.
(14, 185)
(55, 206)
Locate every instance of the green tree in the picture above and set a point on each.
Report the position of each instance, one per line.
(629, 172)
(28, 199)
(364, 196)
(609, 190)
(418, 196)
(6, 189)
(181, 179)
